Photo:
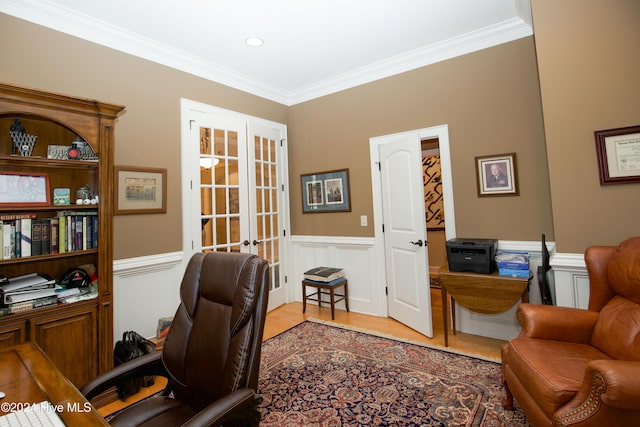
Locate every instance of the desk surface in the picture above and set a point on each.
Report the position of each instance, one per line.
(484, 293)
(27, 376)
(480, 293)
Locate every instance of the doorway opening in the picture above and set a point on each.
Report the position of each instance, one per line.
(385, 264)
(434, 207)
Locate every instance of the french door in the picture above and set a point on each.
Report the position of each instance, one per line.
(236, 202)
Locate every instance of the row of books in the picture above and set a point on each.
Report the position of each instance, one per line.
(24, 235)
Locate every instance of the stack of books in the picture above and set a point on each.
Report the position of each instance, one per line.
(26, 292)
(324, 274)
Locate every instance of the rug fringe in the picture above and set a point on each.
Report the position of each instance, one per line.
(405, 340)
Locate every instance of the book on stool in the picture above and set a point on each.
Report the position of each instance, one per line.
(324, 274)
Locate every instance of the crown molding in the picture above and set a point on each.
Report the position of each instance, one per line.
(47, 14)
(487, 37)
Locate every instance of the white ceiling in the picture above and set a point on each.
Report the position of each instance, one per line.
(311, 47)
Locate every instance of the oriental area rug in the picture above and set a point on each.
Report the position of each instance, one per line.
(321, 374)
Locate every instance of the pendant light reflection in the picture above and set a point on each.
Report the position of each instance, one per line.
(207, 162)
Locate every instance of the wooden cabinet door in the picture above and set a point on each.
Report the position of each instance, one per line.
(70, 339)
(13, 334)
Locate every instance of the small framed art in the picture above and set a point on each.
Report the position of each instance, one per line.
(326, 191)
(24, 189)
(618, 155)
(140, 190)
(497, 175)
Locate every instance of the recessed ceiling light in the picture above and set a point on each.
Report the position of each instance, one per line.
(254, 41)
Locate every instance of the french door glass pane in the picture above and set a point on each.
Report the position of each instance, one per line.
(266, 204)
(219, 190)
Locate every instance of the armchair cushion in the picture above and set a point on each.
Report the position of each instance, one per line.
(617, 332)
(551, 371)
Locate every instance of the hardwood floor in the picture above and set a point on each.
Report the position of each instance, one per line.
(288, 315)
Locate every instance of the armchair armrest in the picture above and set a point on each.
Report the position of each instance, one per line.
(556, 323)
(149, 364)
(609, 395)
(241, 404)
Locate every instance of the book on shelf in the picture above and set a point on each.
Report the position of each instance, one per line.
(55, 228)
(324, 274)
(21, 296)
(45, 238)
(7, 234)
(17, 252)
(25, 236)
(36, 237)
(28, 305)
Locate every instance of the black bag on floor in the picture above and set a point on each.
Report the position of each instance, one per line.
(132, 345)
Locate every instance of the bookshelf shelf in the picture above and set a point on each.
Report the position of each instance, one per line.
(48, 257)
(77, 336)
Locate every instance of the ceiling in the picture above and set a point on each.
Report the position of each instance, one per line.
(311, 47)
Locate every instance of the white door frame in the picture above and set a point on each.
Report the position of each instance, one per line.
(440, 132)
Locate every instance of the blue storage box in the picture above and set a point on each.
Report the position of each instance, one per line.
(511, 272)
(513, 260)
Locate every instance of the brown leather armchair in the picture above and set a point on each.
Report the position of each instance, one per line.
(573, 367)
(211, 355)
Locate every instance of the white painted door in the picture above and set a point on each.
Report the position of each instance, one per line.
(405, 233)
(233, 184)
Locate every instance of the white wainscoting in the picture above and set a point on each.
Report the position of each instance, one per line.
(354, 254)
(571, 273)
(569, 282)
(144, 290)
(147, 288)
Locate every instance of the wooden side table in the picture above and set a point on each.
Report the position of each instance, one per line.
(326, 286)
(480, 293)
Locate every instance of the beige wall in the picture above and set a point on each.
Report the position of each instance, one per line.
(147, 134)
(489, 99)
(589, 60)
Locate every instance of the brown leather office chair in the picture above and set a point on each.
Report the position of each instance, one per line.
(211, 355)
(572, 367)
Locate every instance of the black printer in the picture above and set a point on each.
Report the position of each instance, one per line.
(472, 255)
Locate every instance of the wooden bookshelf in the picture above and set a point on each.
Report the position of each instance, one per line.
(78, 337)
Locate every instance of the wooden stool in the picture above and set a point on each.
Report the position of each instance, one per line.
(320, 286)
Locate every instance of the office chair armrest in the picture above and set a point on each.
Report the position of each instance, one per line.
(239, 405)
(149, 364)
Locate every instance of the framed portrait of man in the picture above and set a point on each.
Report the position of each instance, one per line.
(496, 175)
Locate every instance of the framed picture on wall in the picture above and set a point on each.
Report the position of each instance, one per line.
(497, 175)
(326, 191)
(140, 190)
(618, 155)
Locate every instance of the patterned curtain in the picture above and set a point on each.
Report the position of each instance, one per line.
(433, 202)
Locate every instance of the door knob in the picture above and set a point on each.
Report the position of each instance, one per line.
(418, 243)
(256, 242)
(246, 243)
